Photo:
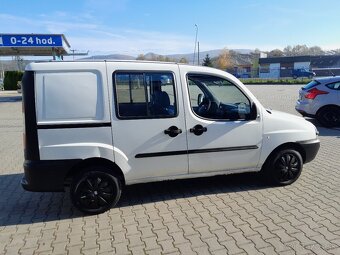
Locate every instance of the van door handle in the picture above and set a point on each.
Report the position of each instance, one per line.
(198, 129)
(173, 131)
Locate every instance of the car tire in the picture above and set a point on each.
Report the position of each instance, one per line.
(95, 190)
(283, 167)
(329, 116)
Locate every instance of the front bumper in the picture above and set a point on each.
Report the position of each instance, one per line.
(311, 148)
(46, 175)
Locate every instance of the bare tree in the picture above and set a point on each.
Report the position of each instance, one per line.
(288, 51)
(301, 50)
(275, 53)
(183, 60)
(316, 50)
(141, 57)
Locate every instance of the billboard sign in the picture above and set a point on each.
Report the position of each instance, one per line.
(30, 40)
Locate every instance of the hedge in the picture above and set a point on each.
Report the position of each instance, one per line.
(11, 79)
(275, 81)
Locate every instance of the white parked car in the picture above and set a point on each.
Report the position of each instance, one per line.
(97, 126)
(320, 99)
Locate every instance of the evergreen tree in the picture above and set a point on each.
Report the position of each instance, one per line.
(207, 61)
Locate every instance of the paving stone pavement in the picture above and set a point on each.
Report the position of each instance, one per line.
(233, 214)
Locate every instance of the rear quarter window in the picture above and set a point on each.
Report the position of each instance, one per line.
(334, 85)
(69, 96)
(310, 85)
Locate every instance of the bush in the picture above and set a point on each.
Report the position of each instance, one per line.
(11, 79)
(275, 81)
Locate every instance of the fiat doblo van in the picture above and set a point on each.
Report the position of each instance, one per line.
(97, 126)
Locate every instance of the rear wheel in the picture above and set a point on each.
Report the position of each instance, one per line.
(329, 116)
(95, 190)
(284, 167)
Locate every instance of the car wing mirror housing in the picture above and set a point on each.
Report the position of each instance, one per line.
(200, 98)
(253, 111)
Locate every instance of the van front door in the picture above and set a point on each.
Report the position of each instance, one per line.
(148, 125)
(224, 132)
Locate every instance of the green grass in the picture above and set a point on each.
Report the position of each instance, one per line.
(276, 81)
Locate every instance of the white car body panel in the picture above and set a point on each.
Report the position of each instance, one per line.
(281, 128)
(60, 85)
(125, 139)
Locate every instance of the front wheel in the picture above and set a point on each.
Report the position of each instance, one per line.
(284, 167)
(95, 190)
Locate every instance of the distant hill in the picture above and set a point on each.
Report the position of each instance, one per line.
(212, 54)
(188, 56)
(112, 56)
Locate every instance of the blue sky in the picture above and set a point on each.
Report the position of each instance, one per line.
(166, 27)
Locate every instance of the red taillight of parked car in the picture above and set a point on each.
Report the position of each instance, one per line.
(313, 93)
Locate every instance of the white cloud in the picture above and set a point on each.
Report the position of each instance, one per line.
(82, 33)
(134, 43)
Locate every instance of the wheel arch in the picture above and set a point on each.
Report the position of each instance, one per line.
(289, 145)
(326, 106)
(114, 168)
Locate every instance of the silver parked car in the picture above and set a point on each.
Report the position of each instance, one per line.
(320, 99)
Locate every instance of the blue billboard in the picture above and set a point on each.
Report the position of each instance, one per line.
(30, 40)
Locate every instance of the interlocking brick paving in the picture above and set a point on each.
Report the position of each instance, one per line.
(234, 214)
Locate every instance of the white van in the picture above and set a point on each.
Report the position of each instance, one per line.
(97, 126)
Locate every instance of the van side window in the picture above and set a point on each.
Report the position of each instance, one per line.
(145, 95)
(216, 98)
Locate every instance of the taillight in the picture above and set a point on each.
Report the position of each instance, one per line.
(313, 93)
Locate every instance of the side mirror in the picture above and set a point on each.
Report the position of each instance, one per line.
(200, 98)
(253, 112)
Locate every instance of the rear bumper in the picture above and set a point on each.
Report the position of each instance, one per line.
(46, 175)
(304, 114)
(308, 107)
(311, 148)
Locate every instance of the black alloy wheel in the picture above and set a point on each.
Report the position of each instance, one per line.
(95, 190)
(284, 167)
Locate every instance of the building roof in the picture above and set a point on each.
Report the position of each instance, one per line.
(285, 59)
(316, 61)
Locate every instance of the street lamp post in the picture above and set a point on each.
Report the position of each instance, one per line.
(198, 53)
(193, 61)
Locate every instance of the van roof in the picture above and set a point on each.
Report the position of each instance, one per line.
(107, 60)
(57, 64)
